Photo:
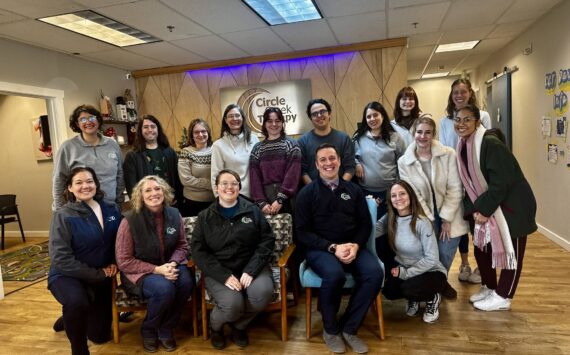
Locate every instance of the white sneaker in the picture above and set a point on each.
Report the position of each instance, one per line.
(475, 277)
(493, 302)
(464, 272)
(431, 313)
(412, 309)
(483, 293)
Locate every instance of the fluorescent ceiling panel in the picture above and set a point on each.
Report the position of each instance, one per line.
(94, 25)
(435, 75)
(458, 46)
(277, 12)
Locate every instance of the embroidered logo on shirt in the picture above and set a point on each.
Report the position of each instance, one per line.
(112, 155)
(111, 218)
(345, 196)
(170, 230)
(246, 220)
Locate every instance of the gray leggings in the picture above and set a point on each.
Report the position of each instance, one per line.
(239, 307)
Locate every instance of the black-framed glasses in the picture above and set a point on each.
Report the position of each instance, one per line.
(465, 119)
(85, 119)
(319, 113)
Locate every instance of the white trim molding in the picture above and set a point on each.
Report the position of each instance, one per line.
(564, 243)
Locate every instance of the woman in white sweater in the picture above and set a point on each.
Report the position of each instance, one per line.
(431, 169)
(233, 149)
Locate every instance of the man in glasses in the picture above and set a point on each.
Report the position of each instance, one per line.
(319, 112)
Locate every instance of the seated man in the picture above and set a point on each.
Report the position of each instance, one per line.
(333, 225)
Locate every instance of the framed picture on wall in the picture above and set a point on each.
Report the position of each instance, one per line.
(41, 142)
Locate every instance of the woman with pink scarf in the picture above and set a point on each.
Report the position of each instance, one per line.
(499, 205)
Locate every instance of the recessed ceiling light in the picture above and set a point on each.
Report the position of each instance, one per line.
(459, 46)
(435, 75)
(277, 12)
(94, 25)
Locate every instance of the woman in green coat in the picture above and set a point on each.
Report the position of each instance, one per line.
(499, 205)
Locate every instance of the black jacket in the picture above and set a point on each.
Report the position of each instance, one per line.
(222, 247)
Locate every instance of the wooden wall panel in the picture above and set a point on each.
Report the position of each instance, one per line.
(347, 80)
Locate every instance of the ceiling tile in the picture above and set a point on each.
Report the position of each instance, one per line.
(35, 9)
(423, 39)
(466, 34)
(306, 35)
(125, 60)
(511, 30)
(359, 28)
(6, 16)
(101, 3)
(468, 13)
(211, 47)
(152, 17)
(527, 10)
(394, 4)
(219, 16)
(491, 45)
(428, 19)
(417, 53)
(167, 53)
(257, 42)
(48, 36)
(336, 8)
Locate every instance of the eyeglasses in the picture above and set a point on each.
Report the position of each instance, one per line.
(319, 113)
(232, 116)
(465, 119)
(202, 131)
(85, 119)
(225, 184)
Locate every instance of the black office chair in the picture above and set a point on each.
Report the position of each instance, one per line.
(9, 213)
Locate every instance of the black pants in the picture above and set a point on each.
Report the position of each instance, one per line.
(421, 288)
(86, 311)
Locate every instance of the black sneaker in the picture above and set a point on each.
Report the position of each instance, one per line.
(58, 325)
(217, 338)
(449, 292)
(239, 337)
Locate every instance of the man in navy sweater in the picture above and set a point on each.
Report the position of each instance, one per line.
(333, 225)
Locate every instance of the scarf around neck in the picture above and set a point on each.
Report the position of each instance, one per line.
(495, 230)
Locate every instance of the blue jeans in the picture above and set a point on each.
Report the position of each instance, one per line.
(165, 301)
(368, 276)
(446, 248)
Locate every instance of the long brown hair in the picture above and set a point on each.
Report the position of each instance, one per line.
(416, 211)
(450, 109)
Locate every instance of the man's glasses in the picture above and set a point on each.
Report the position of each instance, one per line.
(319, 113)
(86, 119)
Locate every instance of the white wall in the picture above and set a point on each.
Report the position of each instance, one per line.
(433, 94)
(551, 52)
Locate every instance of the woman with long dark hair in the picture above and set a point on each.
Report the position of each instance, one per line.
(378, 148)
(406, 111)
(234, 147)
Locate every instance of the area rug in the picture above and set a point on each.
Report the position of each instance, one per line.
(27, 264)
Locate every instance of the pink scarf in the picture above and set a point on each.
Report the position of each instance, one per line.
(475, 184)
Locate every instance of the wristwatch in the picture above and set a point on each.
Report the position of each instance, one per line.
(332, 248)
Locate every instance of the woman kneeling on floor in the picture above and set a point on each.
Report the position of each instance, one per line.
(232, 244)
(151, 254)
(416, 273)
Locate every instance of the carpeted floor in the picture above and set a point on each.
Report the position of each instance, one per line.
(27, 264)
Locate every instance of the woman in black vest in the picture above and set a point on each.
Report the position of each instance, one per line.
(151, 253)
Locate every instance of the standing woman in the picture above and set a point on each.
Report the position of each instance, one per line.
(81, 247)
(406, 111)
(431, 169)
(234, 147)
(194, 169)
(461, 94)
(378, 148)
(418, 275)
(232, 244)
(500, 205)
(275, 166)
(151, 253)
(89, 148)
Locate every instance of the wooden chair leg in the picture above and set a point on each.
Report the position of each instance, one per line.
(21, 229)
(115, 311)
(308, 312)
(283, 281)
(380, 314)
(204, 314)
(194, 312)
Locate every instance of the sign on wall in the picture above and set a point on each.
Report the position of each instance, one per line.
(289, 96)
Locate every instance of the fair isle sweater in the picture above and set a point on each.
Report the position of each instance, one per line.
(232, 152)
(194, 170)
(275, 161)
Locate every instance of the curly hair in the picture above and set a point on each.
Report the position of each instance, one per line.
(137, 194)
(196, 121)
(140, 142)
(70, 197)
(74, 125)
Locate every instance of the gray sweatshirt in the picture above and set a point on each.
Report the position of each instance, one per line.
(104, 158)
(416, 253)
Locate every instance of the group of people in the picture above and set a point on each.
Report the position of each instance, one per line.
(430, 195)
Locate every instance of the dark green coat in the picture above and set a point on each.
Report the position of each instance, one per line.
(508, 188)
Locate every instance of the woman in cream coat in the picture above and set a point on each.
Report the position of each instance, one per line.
(431, 169)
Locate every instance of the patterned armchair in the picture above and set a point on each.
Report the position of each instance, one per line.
(282, 225)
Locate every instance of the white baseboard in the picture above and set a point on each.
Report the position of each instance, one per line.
(564, 243)
(31, 234)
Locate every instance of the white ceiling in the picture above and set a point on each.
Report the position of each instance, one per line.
(209, 30)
